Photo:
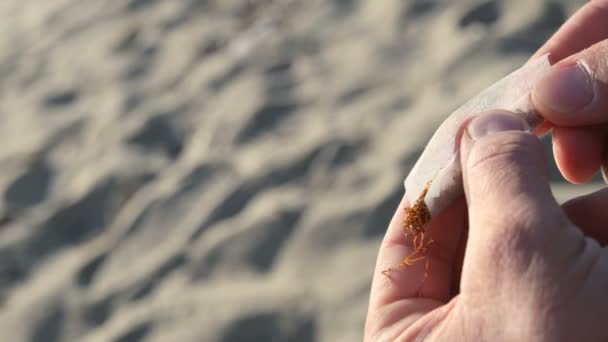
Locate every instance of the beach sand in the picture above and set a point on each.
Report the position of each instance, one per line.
(224, 170)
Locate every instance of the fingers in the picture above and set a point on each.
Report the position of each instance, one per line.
(574, 98)
(579, 151)
(512, 211)
(585, 28)
(446, 230)
(402, 297)
(575, 92)
(590, 215)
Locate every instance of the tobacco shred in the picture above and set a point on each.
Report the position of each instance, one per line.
(418, 215)
(414, 225)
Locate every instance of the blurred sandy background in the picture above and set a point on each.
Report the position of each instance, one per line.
(223, 170)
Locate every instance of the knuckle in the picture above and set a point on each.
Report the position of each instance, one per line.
(496, 154)
(518, 231)
(512, 225)
(595, 60)
(507, 243)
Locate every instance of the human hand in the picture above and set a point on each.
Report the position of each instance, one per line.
(573, 98)
(528, 272)
(532, 270)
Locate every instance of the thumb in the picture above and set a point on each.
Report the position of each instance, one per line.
(512, 212)
(575, 92)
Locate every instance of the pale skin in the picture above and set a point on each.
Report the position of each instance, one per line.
(508, 263)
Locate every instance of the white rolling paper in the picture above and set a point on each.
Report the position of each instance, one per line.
(439, 164)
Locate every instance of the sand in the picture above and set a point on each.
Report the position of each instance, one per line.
(223, 170)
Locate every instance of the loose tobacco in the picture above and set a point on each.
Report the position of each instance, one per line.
(417, 216)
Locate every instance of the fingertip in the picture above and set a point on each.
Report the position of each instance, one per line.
(482, 139)
(565, 90)
(574, 92)
(585, 28)
(578, 152)
(486, 124)
(588, 213)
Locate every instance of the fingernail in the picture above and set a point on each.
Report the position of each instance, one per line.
(565, 89)
(487, 124)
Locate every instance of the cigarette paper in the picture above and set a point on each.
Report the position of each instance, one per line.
(438, 168)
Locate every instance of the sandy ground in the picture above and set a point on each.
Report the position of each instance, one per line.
(223, 170)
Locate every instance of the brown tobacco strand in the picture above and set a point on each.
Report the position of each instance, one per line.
(418, 215)
(414, 225)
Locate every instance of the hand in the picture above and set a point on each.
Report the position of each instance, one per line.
(532, 270)
(528, 272)
(573, 98)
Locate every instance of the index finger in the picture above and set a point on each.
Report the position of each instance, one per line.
(585, 28)
(447, 230)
